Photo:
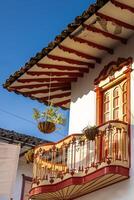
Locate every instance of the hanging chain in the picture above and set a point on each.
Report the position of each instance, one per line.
(49, 94)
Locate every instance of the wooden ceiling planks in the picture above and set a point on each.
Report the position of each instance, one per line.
(64, 63)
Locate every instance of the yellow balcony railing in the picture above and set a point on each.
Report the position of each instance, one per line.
(77, 156)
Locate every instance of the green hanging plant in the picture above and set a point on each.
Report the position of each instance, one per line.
(48, 119)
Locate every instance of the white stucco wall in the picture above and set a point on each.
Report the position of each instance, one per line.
(23, 168)
(82, 112)
(83, 97)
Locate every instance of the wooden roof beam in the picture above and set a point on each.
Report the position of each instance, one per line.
(122, 5)
(62, 73)
(56, 96)
(29, 80)
(120, 23)
(63, 67)
(71, 61)
(92, 44)
(31, 86)
(106, 34)
(62, 103)
(43, 91)
(78, 53)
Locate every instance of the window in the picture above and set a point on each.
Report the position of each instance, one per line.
(115, 103)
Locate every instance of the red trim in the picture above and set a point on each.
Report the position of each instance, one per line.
(63, 79)
(63, 102)
(113, 66)
(99, 106)
(31, 86)
(106, 34)
(78, 53)
(71, 61)
(67, 94)
(99, 93)
(92, 44)
(71, 74)
(98, 189)
(120, 23)
(128, 78)
(62, 67)
(122, 5)
(24, 179)
(43, 91)
(80, 180)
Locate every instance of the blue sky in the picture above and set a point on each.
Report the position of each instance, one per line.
(27, 26)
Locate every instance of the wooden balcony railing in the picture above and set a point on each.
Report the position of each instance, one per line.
(77, 156)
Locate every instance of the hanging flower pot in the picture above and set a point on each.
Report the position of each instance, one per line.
(48, 119)
(46, 127)
(90, 132)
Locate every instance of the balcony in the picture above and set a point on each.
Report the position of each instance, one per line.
(76, 165)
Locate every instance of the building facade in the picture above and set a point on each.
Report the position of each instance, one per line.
(89, 70)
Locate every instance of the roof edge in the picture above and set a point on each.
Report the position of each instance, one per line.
(93, 8)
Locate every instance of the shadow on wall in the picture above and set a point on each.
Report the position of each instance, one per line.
(84, 85)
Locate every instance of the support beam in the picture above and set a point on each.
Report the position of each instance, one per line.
(55, 96)
(71, 61)
(29, 80)
(63, 67)
(44, 91)
(92, 44)
(78, 53)
(62, 103)
(118, 22)
(106, 34)
(122, 6)
(31, 86)
(62, 73)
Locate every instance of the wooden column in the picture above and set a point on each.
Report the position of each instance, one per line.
(99, 106)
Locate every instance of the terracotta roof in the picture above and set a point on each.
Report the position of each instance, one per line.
(58, 39)
(93, 35)
(25, 140)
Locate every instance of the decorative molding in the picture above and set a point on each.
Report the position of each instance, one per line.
(63, 67)
(106, 34)
(62, 73)
(70, 61)
(31, 86)
(78, 53)
(120, 23)
(122, 5)
(63, 79)
(53, 96)
(80, 180)
(43, 91)
(91, 44)
(62, 103)
(112, 67)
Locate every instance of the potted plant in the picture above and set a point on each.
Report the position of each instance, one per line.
(48, 119)
(90, 132)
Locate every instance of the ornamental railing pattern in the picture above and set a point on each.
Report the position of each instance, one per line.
(77, 155)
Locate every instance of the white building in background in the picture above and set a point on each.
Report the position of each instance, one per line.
(90, 66)
(23, 178)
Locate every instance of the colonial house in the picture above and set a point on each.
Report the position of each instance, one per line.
(88, 69)
(23, 176)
